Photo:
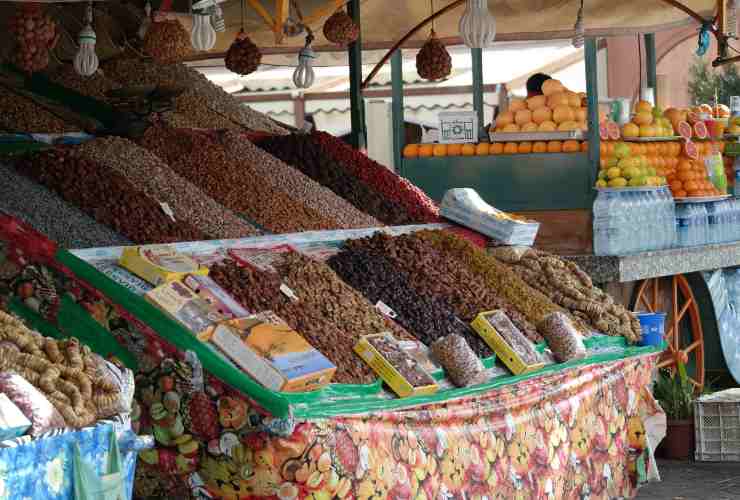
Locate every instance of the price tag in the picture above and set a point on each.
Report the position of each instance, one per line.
(288, 292)
(385, 310)
(168, 211)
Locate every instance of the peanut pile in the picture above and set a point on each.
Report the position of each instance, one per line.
(22, 115)
(95, 86)
(66, 372)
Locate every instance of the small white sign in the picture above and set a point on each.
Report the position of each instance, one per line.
(168, 211)
(385, 310)
(288, 292)
(458, 127)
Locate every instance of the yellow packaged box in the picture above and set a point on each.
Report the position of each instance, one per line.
(403, 373)
(273, 354)
(510, 345)
(159, 264)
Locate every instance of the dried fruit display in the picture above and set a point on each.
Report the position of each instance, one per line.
(437, 273)
(530, 302)
(35, 35)
(263, 167)
(106, 195)
(161, 183)
(167, 41)
(304, 154)
(566, 284)
(426, 317)
(22, 115)
(243, 56)
(200, 158)
(222, 108)
(562, 338)
(461, 364)
(433, 62)
(96, 86)
(67, 373)
(341, 29)
(409, 368)
(382, 180)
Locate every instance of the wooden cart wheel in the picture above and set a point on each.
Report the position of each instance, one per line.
(684, 335)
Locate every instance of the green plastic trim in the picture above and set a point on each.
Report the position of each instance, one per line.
(334, 400)
(33, 320)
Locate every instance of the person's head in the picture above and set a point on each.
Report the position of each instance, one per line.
(534, 84)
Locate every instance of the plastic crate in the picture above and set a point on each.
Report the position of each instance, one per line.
(717, 427)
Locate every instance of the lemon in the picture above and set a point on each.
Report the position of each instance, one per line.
(621, 150)
(603, 174)
(613, 173)
(618, 182)
(601, 183)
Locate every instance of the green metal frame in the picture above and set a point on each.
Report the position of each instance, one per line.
(592, 90)
(651, 63)
(357, 107)
(399, 132)
(477, 59)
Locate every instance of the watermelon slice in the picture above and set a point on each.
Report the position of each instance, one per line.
(613, 129)
(603, 131)
(700, 130)
(685, 130)
(690, 150)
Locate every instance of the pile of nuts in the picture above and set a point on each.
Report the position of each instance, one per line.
(67, 373)
(440, 274)
(96, 86)
(243, 56)
(19, 114)
(145, 170)
(35, 35)
(107, 196)
(200, 158)
(303, 153)
(263, 167)
(433, 62)
(167, 41)
(391, 186)
(341, 29)
(427, 317)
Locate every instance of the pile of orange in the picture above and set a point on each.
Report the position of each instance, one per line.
(496, 148)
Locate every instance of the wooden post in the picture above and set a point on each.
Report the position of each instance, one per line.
(399, 127)
(355, 81)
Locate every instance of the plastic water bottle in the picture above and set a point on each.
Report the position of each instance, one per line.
(683, 225)
(736, 168)
(606, 229)
(713, 223)
(702, 224)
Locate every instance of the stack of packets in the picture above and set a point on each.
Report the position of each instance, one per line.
(515, 350)
(467, 208)
(404, 374)
(260, 344)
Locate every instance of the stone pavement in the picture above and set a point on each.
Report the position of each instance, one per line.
(694, 481)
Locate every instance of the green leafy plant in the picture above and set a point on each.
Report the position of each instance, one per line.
(704, 82)
(675, 393)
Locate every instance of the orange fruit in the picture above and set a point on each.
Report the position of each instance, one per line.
(505, 118)
(555, 147)
(685, 176)
(562, 114)
(539, 147)
(468, 150)
(522, 117)
(496, 148)
(426, 150)
(571, 147)
(694, 192)
(542, 114)
(524, 147)
(547, 126)
(684, 165)
(602, 150)
(511, 148)
(680, 194)
(676, 185)
(411, 151)
(584, 147)
(517, 105)
(511, 127)
(440, 150)
(651, 148)
(630, 130)
(690, 186)
(454, 149)
(610, 149)
(482, 149)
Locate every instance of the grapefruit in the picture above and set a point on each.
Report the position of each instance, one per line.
(574, 100)
(647, 131)
(613, 130)
(511, 127)
(603, 132)
(541, 115)
(562, 114)
(529, 127)
(522, 117)
(548, 126)
(551, 86)
(505, 118)
(630, 130)
(568, 126)
(684, 130)
(536, 102)
(700, 130)
(690, 150)
(517, 105)
(558, 99)
(581, 115)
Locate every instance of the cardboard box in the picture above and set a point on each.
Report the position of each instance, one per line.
(159, 264)
(388, 371)
(273, 354)
(519, 355)
(184, 306)
(219, 300)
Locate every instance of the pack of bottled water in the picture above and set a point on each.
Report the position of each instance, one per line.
(708, 223)
(634, 220)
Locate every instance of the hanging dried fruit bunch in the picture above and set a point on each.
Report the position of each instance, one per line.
(243, 57)
(35, 35)
(341, 29)
(433, 62)
(167, 41)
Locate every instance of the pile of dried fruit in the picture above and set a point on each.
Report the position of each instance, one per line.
(305, 154)
(440, 274)
(67, 373)
(161, 183)
(566, 284)
(427, 317)
(200, 158)
(534, 305)
(19, 114)
(265, 168)
(222, 107)
(107, 196)
(418, 205)
(96, 86)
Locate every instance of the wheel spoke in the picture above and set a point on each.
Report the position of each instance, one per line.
(676, 331)
(656, 287)
(685, 308)
(693, 346)
(697, 384)
(645, 302)
(666, 362)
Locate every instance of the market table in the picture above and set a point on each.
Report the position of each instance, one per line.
(574, 428)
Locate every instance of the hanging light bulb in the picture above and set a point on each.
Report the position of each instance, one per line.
(203, 36)
(304, 76)
(579, 32)
(147, 21)
(477, 25)
(731, 28)
(217, 18)
(86, 60)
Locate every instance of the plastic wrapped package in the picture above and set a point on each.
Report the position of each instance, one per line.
(13, 422)
(34, 405)
(562, 337)
(461, 364)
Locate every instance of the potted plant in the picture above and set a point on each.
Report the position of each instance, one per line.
(675, 393)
